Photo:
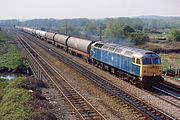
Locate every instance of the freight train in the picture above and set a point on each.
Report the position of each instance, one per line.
(138, 66)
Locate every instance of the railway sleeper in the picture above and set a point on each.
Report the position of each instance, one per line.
(68, 94)
(90, 114)
(78, 102)
(85, 108)
(70, 91)
(71, 97)
(85, 112)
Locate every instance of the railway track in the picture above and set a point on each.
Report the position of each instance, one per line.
(80, 105)
(134, 103)
(168, 93)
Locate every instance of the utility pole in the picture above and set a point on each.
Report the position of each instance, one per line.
(100, 32)
(66, 27)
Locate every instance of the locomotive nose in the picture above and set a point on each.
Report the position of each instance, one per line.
(151, 70)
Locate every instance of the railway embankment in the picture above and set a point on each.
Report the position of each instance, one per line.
(14, 100)
(10, 59)
(21, 98)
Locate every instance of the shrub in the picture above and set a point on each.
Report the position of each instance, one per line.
(174, 35)
(138, 37)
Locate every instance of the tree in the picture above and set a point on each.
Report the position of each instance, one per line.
(73, 31)
(114, 28)
(138, 37)
(127, 29)
(91, 29)
(174, 35)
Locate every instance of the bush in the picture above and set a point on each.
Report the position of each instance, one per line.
(138, 37)
(174, 35)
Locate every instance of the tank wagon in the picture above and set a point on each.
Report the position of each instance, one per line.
(81, 47)
(34, 32)
(50, 37)
(37, 33)
(61, 41)
(138, 66)
(42, 35)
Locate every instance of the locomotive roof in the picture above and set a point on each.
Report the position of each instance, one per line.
(124, 50)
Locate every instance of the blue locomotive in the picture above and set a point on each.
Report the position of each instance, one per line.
(135, 65)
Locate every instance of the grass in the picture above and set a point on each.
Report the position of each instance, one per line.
(3, 83)
(156, 36)
(10, 59)
(3, 49)
(151, 46)
(13, 105)
(13, 97)
(9, 55)
(172, 60)
(3, 37)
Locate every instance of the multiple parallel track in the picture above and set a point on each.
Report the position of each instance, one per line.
(141, 107)
(168, 93)
(80, 105)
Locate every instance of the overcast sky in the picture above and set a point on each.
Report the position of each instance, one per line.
(28, 9)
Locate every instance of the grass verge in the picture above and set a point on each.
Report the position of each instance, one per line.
(3, 37)
(10, 58)
(14, 102)
(172, 60)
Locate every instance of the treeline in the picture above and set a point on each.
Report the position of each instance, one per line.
(114, 29)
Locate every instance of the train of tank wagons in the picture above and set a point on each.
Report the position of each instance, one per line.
(137, 66)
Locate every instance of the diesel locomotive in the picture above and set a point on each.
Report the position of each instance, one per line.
(138, 66)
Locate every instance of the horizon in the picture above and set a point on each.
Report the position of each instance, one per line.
(91, 9)
(141, 17)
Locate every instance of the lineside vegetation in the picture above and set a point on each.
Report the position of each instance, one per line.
(14, 100)
(10, 58)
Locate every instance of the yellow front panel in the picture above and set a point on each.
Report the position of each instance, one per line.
(151, 70)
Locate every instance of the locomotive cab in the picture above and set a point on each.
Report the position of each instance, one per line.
(151, 65)
(151, 69)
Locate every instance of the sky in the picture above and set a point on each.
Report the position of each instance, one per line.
(62, 9)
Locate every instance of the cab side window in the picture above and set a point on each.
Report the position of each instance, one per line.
(133, 60)
(137, 61)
